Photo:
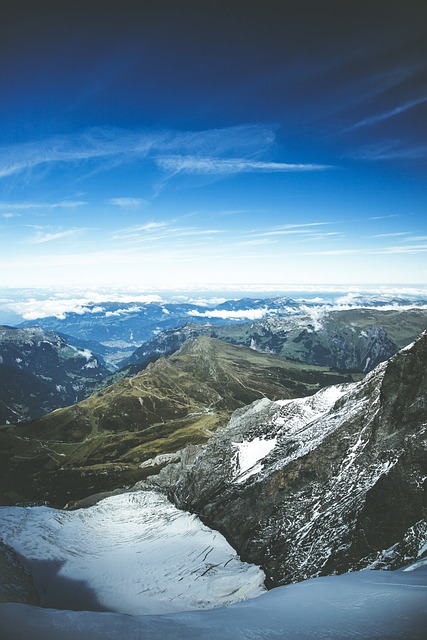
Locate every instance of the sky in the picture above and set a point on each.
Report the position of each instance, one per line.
(172, 143)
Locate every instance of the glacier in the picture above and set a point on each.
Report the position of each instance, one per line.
(133, 553)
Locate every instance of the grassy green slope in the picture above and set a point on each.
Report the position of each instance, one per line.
(99, 443)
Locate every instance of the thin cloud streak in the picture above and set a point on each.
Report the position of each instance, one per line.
(290, 232)
(390, 235)
(391, 215)
(127, 202)
(388, 114)
(50, 237)
(303, 224)
(152, 232)
(422, 248)
(138, 228)
(23, 206)
(309, 229)
(392, 150)
(255, 242)
(212, 165)
(399, 249)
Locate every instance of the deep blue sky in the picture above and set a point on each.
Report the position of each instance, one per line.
(197, 142)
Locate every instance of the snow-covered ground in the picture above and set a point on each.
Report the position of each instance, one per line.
(366, 605)
(137, 554)
(133, 553)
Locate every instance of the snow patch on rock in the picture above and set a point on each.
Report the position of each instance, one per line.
(249, 454)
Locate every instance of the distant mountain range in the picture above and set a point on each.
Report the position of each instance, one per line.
(40, 371)
(123, 327)
(351, 340)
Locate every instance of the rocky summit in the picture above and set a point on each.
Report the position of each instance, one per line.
(326, 484)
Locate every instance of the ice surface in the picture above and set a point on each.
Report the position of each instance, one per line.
(133, 553)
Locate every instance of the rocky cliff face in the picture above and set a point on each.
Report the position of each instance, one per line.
(319, 485)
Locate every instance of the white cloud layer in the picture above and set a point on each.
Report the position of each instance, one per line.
(52, 307)
(248, 314)
(31, 304)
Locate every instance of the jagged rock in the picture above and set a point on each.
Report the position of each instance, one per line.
(319, 485)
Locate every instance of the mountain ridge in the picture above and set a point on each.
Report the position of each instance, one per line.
(355, 339)
(333, 492)
(100, 443)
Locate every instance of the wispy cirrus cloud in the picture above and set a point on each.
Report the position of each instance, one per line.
(335, 252)
(416, 239)
(138, 230)
(415, 248)
(395, 249)
(94, 144)
(220, 151)
(127, 202)
(368, 86)
(392, 150)
(215, 165)
(154, 231)
(25, 205)
(392, 234)
(386, 115)
(306, 229)
(255, 242)
(385, 217)
(42, 238)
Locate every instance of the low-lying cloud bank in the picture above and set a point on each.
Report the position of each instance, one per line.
(32, 304)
